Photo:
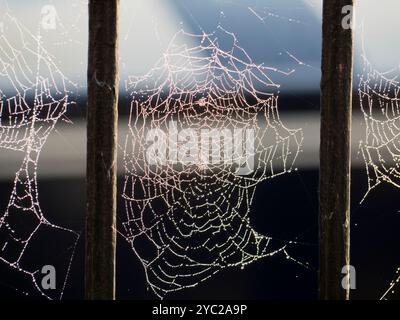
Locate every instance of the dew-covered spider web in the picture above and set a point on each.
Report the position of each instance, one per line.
(187, 204)
(379, 100)
(34, 96)
(379, 94)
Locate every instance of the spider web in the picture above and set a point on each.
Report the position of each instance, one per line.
(379, 101)
(186, 221)
(379, 96)
(33, 98)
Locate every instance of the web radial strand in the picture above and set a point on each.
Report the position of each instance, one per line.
(33, 98)
(187, 216)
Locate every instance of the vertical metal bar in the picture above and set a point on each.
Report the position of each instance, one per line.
(102, 122)
(335, 150)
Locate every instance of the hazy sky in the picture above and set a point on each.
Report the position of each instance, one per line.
(376, 24)
(276, 32)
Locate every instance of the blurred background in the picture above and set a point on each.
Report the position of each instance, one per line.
(285, 35)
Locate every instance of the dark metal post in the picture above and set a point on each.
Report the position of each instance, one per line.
(335, 149)
(102, 122)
